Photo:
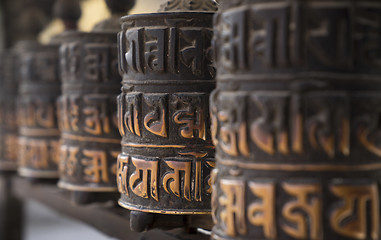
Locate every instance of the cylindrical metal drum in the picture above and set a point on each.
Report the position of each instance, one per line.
(38, 131)
(167, 153)
(296, 120)
(8, 119)
(90, 142)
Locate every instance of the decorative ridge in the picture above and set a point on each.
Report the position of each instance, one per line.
(189, 6)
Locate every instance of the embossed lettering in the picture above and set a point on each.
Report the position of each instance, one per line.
(132, 114)
(270, 131)
(173, 179)
(233, 37)
(156, 120)
(233, 129)
(154, 49)
(350, 219)
(263, 213)
(121, 174)
(139, 180)
(133, 55)
(96, 169)
(190, 116)
(307, 199)
(96, 115)
(233, 204)
(193, 56)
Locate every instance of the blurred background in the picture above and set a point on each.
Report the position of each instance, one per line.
(14, 17)
(93, 11)
(20, 19)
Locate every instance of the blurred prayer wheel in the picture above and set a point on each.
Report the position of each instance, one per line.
(296, 120)
(38, 91)
(40, 87)
(8, 123)
(167, 153)
(90, 141)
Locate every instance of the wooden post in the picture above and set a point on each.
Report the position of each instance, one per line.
(11, 210)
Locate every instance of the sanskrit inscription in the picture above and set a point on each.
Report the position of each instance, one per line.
(293, 124)
(290, 35)
(256, 213)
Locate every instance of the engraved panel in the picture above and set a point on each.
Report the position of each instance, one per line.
(357, 214)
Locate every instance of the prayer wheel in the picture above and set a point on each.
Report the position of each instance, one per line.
(38, 91)
(8, 123)
(40, 87)
(296, 120)
(167, 152)
(90, 141)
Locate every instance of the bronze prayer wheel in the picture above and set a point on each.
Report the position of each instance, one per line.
(295, 120)
(40, 87)
(38, 91)
(90, 142)
(8, 119)
(167, 153)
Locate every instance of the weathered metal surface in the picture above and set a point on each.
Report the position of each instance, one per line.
(8, 123)
(38, 91)
(167, 153)
(90, 142)
(188, 6)
(295, 120)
